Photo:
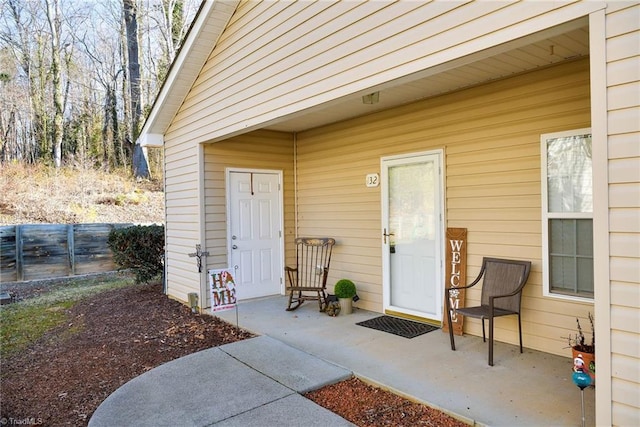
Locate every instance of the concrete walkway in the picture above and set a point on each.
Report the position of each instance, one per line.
(255, 382)
(531, 389)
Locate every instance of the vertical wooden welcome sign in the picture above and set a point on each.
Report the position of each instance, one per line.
(455, 275)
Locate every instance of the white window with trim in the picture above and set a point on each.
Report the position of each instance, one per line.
(567, 214)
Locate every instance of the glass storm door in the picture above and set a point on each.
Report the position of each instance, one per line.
(412, 234)
(255, 238)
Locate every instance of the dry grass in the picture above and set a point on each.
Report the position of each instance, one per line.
(34, 194)
(42, 310)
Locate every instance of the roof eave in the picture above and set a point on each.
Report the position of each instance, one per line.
(154, 140)
(187, 64)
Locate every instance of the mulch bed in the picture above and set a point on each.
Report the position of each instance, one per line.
(109, 339)
(369, 406)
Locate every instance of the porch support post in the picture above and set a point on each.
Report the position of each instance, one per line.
(202, 225)
(602, 281)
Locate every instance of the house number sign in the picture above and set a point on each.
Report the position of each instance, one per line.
(372, 180)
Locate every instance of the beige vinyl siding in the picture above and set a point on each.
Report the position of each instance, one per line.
(255, 150)
(623, 122)
(278, 58)
(181, 219)
(490, 135)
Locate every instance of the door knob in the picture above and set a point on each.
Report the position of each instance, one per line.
(234, 247)
(385, 234)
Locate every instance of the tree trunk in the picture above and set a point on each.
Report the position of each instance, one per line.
(126, 146)
(106, 129)
(172, 31)
(140, 166)
(35, 138)
(54, 18)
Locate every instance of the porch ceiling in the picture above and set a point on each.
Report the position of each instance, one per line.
(559, 44)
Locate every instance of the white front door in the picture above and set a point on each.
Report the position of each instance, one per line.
(412, 234)
(255, 224)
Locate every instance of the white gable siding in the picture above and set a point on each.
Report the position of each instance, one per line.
(623, 123)
(277, 58)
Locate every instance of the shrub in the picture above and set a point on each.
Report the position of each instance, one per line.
(139, 248)
(345, 288)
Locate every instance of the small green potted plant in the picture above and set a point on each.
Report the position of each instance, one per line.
(345, 291)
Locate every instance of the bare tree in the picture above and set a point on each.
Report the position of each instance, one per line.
(54, 20)
(8, 125)
(139, 161)
(103, 56)
(166, 25)
(133, 61)
(172, 30)
(71, 76)
(24, 37)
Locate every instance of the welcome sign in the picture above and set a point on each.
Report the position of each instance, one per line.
(223, 290)
(455, 275)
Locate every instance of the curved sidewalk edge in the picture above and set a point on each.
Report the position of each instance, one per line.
(257, 381)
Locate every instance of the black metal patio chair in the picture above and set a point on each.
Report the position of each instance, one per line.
(501, 295)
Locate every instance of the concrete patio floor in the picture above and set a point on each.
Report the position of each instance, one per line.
(530, 389)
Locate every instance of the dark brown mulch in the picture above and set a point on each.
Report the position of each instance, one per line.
(117, 335)
(109, 339)
(369, 406)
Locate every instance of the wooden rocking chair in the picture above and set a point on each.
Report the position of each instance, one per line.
(503, 280)
(308, 279)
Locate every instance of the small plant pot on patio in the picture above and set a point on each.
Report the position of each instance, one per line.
(345, 291)
(584, 354)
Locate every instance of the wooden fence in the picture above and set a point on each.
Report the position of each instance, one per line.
(44, 251)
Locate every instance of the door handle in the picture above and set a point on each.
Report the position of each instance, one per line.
(385, 234)
(234, 247)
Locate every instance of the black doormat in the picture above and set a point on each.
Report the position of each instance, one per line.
(394, 325)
